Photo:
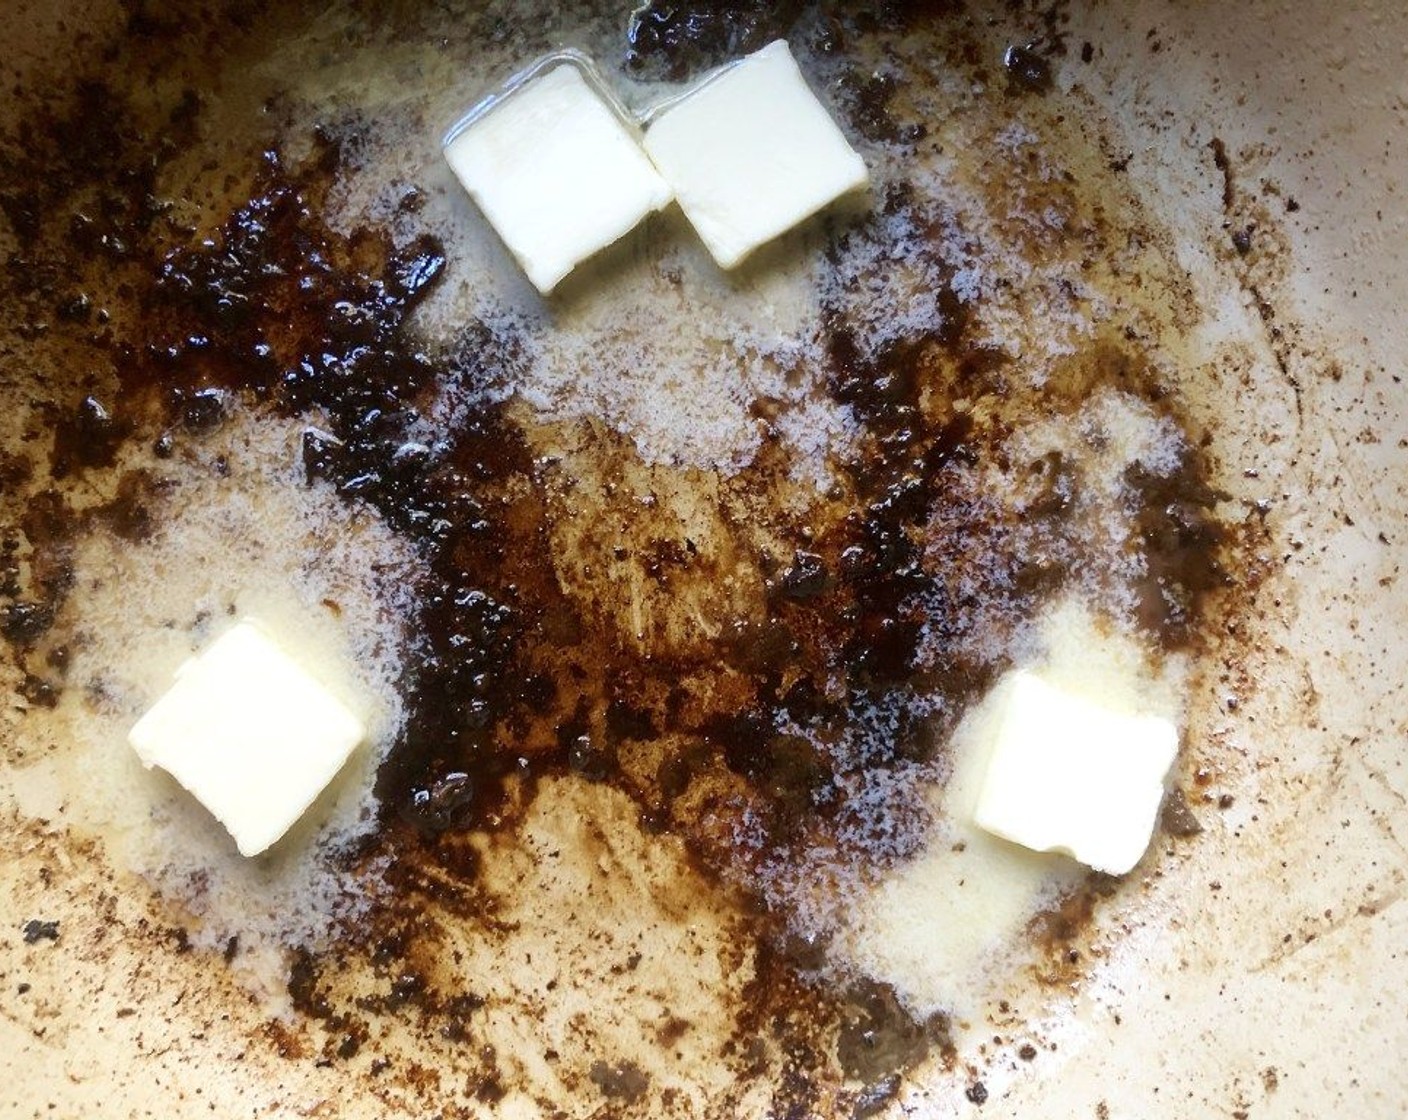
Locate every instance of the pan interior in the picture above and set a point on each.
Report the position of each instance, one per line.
(672, 602)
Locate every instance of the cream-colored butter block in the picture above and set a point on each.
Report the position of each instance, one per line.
(250, 734)
(752, 153)
(1069, 775)
(556, 172)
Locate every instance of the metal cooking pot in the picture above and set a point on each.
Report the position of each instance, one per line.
(581, 961)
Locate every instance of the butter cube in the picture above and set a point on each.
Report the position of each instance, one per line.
(249, 734)
(752, 153)
(556, 172)
(1068, 775)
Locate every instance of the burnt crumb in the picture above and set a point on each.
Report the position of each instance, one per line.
(202, 411)
(977, 1093)
(39, 692)
(1027, 71)
(1242, 240)
(407, 987)
(671, 1031)
(232, 948)
(621, 1081)
(1223, 162)
(1226, 801)
(23, 623)
(411, 200)
(285, 1042)
(23, 989)
(458, 1012)
(1087, 52)
(1176, 818)
(1027, 1052)
(303, 986)
(490, 1091)
(36, 930)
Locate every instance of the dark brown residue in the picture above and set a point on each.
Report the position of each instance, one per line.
(1223, 163)
(868, 101)
(672, 40)
(1177, 817)
(36, 930)
(1059, 931)
(619, 1080)
(1027, 71)
(878, 1038)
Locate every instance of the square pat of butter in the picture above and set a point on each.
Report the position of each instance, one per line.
(556, 172)
(1069, 775)
(752, 153)
(250, 734)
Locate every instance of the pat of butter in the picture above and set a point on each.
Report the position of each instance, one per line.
(249, 734)
(556, 173)
(1068, 775)
(752, 153)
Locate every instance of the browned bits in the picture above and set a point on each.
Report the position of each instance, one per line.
(619, 1080)
(868, 102)
(674, 40)
(1027, 70)
(23, 623)
(1176, 818)
(36, 930)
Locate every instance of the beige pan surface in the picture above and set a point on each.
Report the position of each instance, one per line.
(1171, 249)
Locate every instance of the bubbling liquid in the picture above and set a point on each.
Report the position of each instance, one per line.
(672, 600)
